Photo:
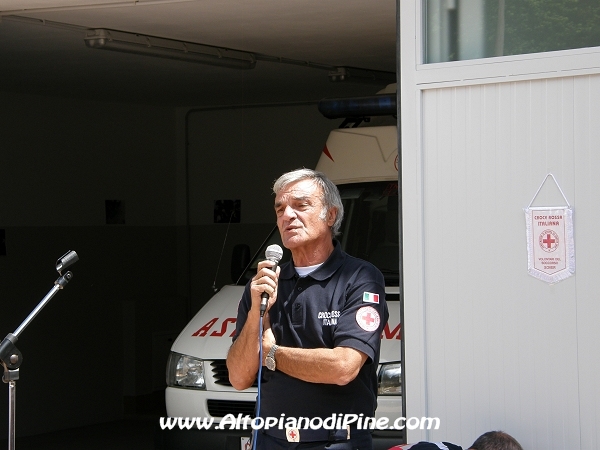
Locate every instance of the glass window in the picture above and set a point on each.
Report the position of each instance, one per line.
(457, 30)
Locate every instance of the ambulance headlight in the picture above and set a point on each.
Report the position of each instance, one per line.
(185, 371)
(388, 381)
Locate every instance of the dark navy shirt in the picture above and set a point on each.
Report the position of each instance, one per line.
(334, 306)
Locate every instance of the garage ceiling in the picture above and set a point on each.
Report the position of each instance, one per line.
(42, 50)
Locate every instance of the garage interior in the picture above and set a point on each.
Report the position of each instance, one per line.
(122, 158)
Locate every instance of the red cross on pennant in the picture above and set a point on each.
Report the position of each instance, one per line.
(549, 241)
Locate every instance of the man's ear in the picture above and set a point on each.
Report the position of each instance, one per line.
(331, 215)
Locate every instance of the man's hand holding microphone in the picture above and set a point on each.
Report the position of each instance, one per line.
(264, 286)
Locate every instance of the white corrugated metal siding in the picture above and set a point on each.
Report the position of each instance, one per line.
(487, 345)
(502, 348)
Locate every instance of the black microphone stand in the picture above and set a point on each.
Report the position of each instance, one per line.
(11, 357)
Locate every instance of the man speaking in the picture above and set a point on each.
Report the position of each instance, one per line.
(325, 315)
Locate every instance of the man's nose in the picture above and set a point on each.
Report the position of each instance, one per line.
(289, 213)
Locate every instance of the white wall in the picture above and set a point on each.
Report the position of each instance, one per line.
(488, 346)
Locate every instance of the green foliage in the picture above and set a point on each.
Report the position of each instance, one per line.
(533, 26)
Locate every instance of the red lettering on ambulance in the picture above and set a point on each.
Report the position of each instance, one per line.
(389, 334)
(224, 327)
(206, 328)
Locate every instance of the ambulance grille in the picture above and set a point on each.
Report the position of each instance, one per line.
(220, 408)
(221, 374)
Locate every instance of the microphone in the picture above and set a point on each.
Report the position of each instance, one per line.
(273, 253)
(66, 260)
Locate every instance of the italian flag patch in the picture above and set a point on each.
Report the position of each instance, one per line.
(368, 297)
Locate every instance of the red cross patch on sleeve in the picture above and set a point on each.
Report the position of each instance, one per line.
(367, 318)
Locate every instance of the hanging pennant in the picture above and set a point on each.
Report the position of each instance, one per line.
(550, 242)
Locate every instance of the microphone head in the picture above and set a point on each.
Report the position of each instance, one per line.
(274, 253)
(66, 260)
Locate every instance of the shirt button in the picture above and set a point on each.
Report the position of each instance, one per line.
(299, 288)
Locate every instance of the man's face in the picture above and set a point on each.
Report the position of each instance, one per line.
(300, 214)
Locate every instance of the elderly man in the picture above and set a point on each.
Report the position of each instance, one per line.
(325, 314)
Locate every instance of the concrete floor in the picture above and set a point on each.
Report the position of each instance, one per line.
(135, 431)
(128, 434)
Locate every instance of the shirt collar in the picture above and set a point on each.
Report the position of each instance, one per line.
(329, 267)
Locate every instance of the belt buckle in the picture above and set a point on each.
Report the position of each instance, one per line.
(292, 434)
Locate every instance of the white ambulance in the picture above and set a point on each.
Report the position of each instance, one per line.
(363, 162)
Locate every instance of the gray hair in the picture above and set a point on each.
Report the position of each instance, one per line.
(331, 195)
